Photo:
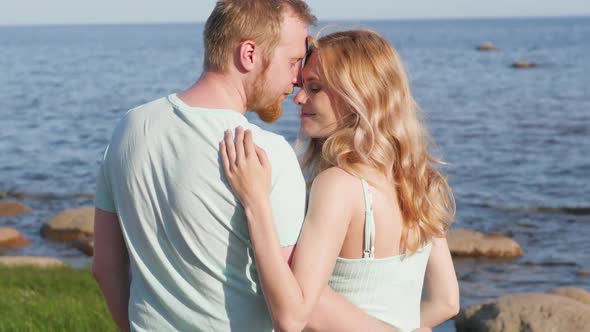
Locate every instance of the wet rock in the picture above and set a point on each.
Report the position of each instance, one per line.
(41, 262)
(468, 243)
(85, 245)
(70, 225)
(525, 312)
(10, 238)
(12, 209)
(486, 47)
(524, 64)
(578, 294)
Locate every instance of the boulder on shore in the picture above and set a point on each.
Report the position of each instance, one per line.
(525, 312)
(468, 243)
(10, 238)
(85, 245)
(524, 64)
(486, 47)
(41, 262)
(578, 294)
(13, 209)
(70, 225)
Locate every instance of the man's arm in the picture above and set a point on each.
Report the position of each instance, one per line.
(110, 265)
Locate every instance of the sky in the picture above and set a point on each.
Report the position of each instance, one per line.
(35, 12)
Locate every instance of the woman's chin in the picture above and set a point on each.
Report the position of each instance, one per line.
(314, 134)
(307, 132)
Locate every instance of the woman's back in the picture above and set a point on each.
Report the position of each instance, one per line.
(385, 210)
(370, 270)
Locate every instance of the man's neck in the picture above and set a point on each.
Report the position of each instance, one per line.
(216, 91)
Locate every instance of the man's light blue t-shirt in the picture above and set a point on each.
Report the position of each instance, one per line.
(191, 259)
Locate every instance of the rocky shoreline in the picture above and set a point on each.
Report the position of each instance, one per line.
(561, 309)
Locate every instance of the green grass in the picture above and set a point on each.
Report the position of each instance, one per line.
(55, 299)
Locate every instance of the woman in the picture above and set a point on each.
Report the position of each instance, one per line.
(378, 207)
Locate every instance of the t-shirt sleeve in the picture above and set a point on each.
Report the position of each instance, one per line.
(104, 193)
(288, 195)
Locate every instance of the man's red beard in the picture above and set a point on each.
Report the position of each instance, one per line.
(267, 112)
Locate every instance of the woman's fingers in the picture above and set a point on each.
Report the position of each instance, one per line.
(248, 144)
(239, 144)
(241, 148)
(230, 147)
(224, 157)
(262, 157)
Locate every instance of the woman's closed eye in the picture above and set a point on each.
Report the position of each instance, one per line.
(313, 88)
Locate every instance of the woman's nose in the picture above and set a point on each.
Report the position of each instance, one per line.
(300, 97)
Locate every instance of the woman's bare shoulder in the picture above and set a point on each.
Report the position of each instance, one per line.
(336, 176)
(336, 182)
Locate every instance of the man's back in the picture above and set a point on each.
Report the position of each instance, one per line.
(186, 233)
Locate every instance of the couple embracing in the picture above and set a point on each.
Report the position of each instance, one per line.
(206, 222)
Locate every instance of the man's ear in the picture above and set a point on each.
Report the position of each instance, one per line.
(247, 53)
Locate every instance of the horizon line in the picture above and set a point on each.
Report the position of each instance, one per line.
(457, 18)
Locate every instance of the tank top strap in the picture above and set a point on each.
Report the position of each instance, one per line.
(369, 251)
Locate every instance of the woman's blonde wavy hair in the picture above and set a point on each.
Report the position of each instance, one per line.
(380, 126)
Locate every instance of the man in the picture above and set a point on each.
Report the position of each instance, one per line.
(164, 210)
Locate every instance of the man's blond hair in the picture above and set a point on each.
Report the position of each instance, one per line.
(234, 21)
